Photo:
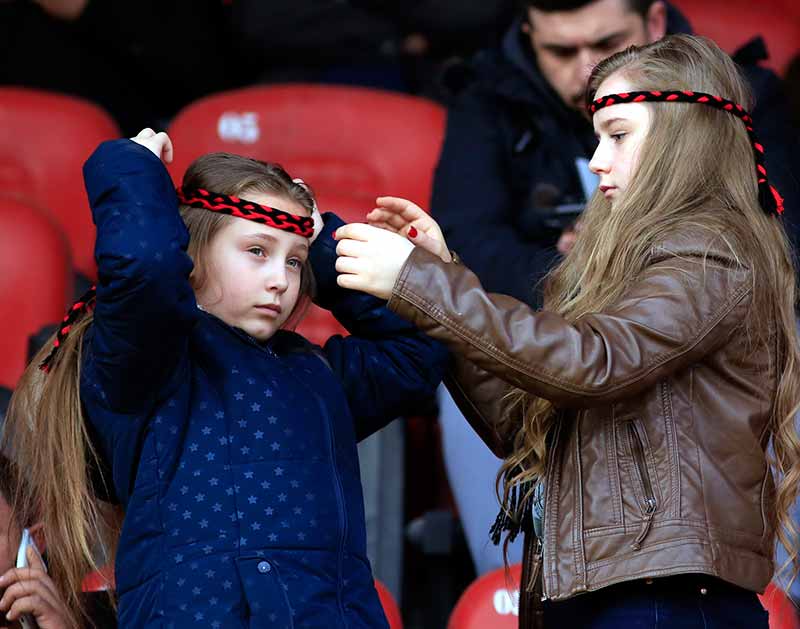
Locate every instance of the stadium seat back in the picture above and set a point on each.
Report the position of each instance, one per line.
(390, 607)
(44, 140)
(492, 600)
(732, 23)
(36, 282)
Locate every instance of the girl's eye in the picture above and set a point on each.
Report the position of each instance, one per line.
(256, 251)
(295, 263)
(617, 137)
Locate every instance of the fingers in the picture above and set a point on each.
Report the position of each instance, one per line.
(350, 265)
(15, 576)
(145, 133)
(35, 559)
(353, 282)
(436, 247)
(159, 143)
(34, 604)
(347, 247)
(385, 227)
(566, 242)
(408, 210)
(166, 149)
(394, 221)
(35, 594)
(319, 223)
(356, 231)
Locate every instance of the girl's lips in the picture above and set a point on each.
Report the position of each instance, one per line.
(271, 309)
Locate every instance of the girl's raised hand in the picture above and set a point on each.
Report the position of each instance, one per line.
(158, 143)
(406, 218)
(370, 258)
(315, 214)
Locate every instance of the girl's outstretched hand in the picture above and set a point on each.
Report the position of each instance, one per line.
(158, 143)
(408, 219)
(370, 258)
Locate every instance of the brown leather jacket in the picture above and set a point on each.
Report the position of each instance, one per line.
(657, 465)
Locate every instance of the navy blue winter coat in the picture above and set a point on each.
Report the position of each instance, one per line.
(235, 461)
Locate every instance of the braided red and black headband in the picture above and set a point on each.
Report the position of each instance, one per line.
(83, 305)
(771, 201)
(249, 210)
(214, 202)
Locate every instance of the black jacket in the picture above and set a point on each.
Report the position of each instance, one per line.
(510, 150)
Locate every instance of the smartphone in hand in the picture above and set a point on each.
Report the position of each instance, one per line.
(27, 621)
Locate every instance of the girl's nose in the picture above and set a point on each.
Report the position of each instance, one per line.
(600, 161)
(278, 279)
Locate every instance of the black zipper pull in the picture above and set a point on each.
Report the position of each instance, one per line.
(649, 512)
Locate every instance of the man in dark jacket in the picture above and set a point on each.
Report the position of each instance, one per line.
(516, 150)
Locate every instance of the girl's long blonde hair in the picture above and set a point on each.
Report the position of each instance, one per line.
(60, 471)
(696, 171)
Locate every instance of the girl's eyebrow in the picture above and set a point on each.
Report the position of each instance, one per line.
(608, 122)
(605, 124)
(272, 239)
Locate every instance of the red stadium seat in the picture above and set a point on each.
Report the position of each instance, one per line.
(490, 601)
(44, 140)
(36, 282)
(390, 607)
(782, 611)
(732, 23)
(350, 144)
(100, 580)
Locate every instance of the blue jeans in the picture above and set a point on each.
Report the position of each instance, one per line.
(684, 601)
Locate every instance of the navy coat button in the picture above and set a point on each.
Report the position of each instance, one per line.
(264, 567)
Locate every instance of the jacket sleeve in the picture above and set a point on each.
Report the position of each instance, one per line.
(145, 305)
(387, 367)
(482, 399)
(475, 206)
(679, 311)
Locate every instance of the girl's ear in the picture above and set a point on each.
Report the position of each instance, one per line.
(37, 532)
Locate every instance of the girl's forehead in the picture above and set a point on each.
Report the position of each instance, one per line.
(618, 84)
(614, 84)
(241, 228)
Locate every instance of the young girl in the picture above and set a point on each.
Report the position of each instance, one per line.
(636, 412)
(229, 442)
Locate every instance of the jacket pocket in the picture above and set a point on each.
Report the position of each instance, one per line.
(265, 593)
(645, 488)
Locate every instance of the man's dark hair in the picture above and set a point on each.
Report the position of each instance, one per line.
(640, 6)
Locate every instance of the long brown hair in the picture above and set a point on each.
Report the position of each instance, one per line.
(45, 433)
(696, 171)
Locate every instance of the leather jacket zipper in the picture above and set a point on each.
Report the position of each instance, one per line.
(548, 479)
(649, 507)
(535, 565)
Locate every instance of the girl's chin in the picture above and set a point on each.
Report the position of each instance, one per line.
(261, 332)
